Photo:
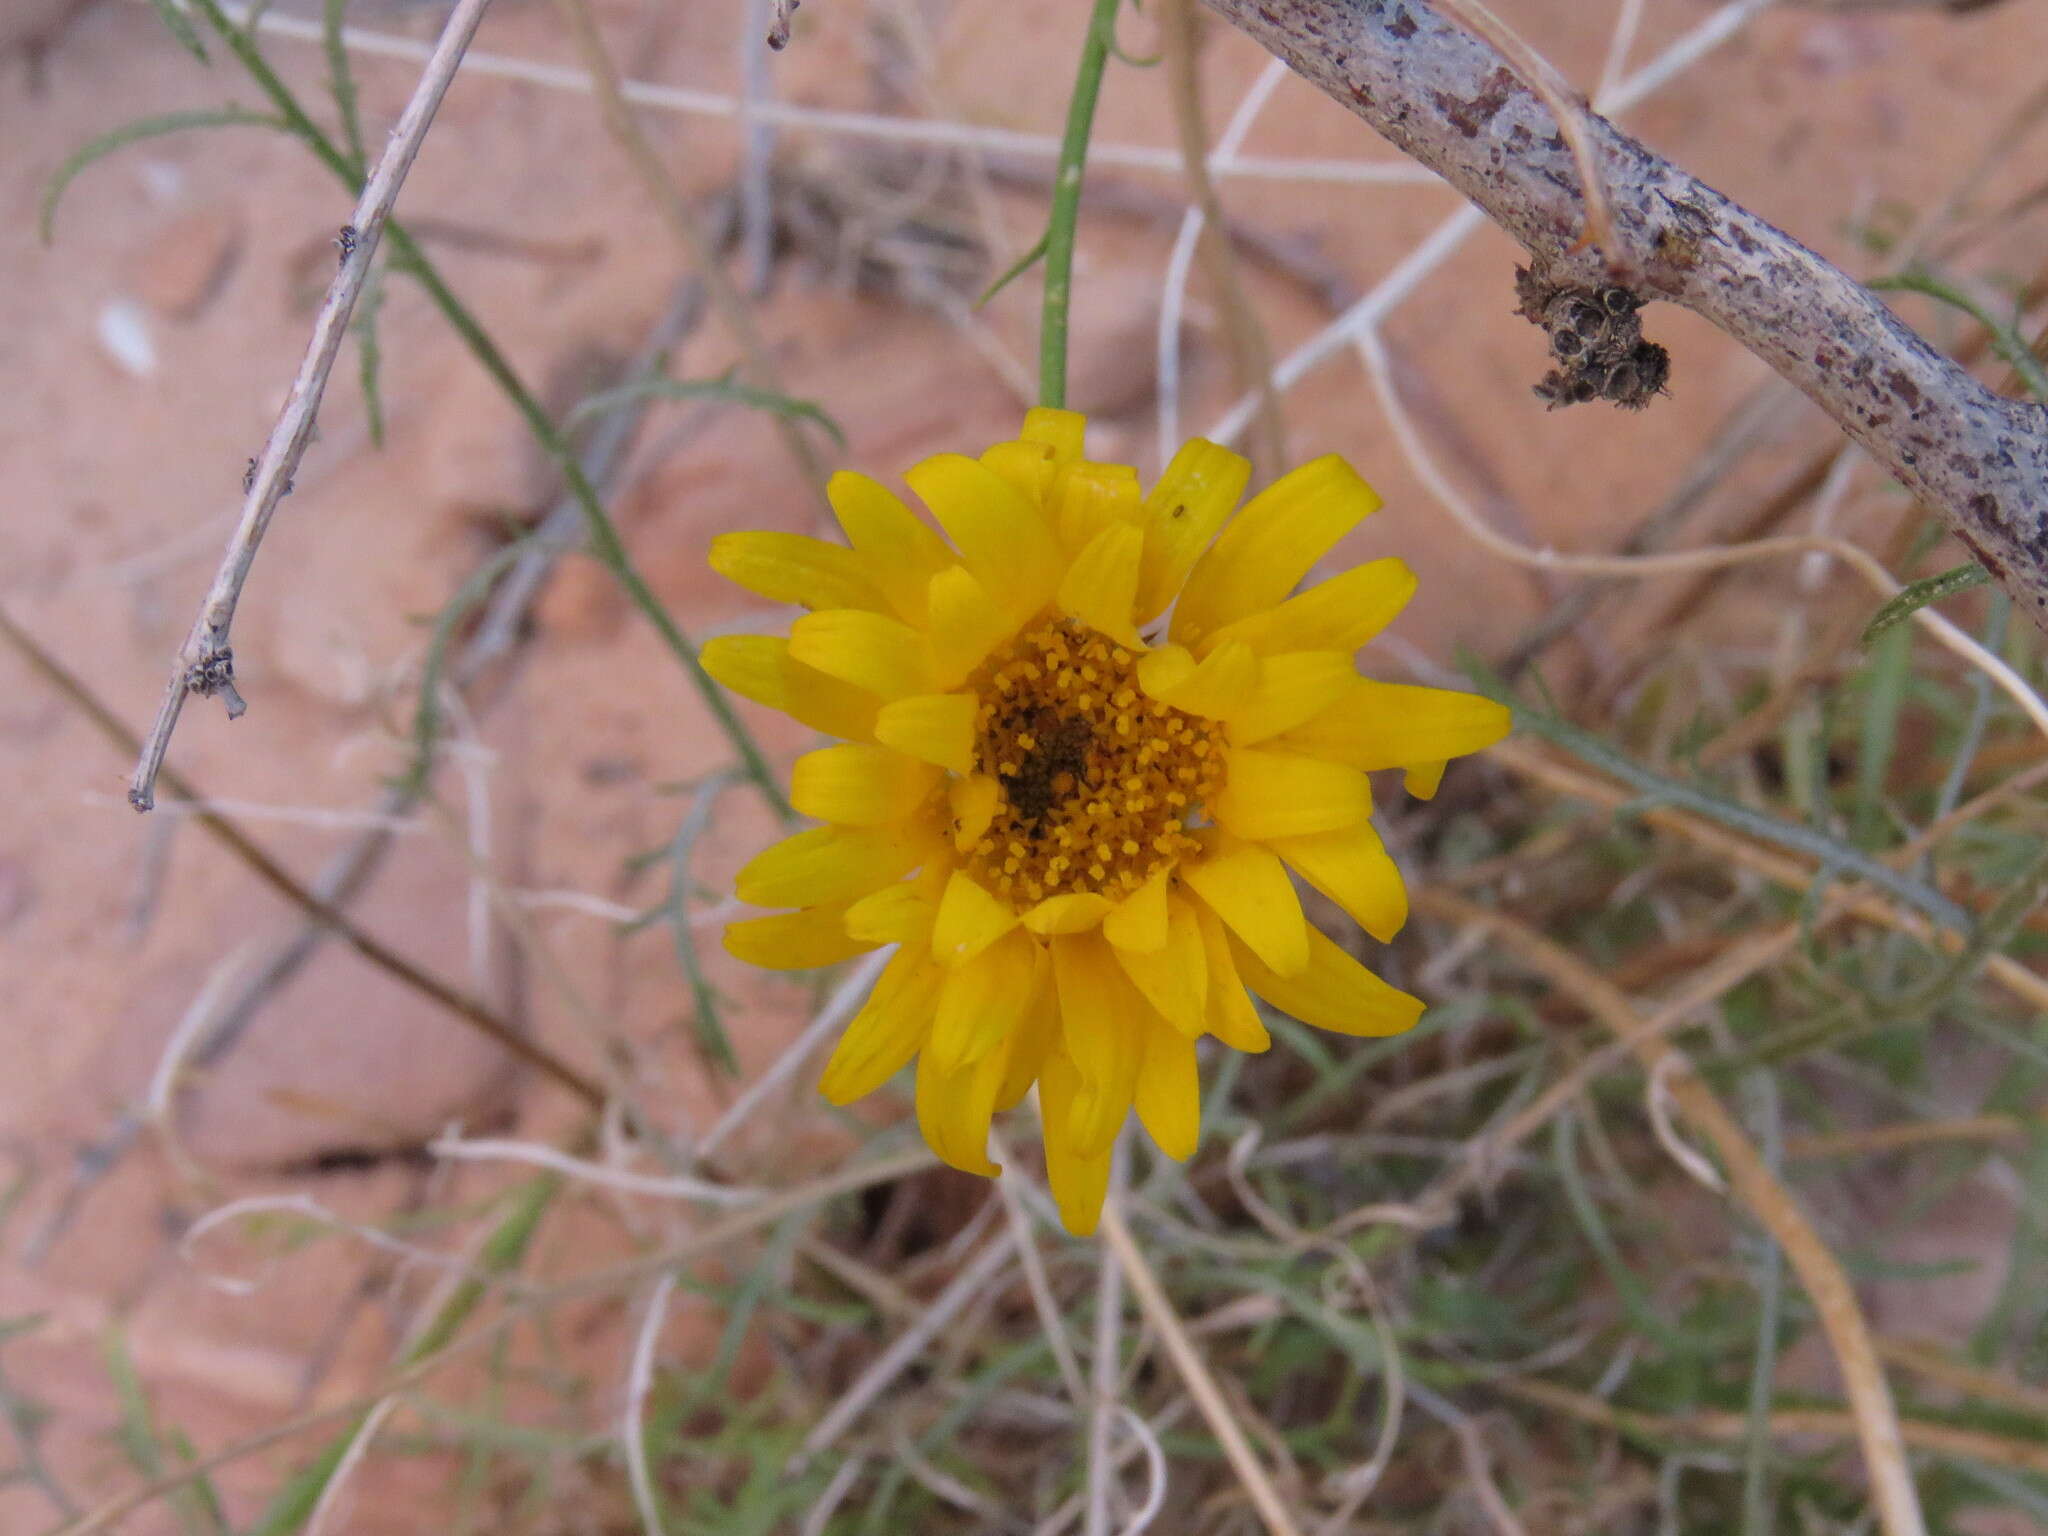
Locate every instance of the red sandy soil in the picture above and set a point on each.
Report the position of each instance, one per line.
(117, 490)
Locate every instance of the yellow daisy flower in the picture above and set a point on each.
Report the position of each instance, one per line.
(1084, 743)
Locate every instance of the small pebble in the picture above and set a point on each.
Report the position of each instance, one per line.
(125, 337)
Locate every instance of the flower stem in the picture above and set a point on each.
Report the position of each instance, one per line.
(1066, 204)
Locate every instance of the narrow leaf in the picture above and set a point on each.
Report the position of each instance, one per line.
(1929, 589)
(179, 25)
(728, 390)
(1018, 268)
(341, 80)
(134, 133)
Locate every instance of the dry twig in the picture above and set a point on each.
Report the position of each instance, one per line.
(1440, 94)
(206, 664)
(469, 1009)
(1194, 1372)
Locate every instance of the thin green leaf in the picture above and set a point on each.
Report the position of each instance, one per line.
(426, 720)
(205, 1498)
(370, 354)
(728, 390)
(1878, 731)
(341, 80)
(135, 133)
(1017, 269)
(138, 1432)
(1832, 855)
(705, 1021)
(1929, 589)
(2008, 342)
(179, 25)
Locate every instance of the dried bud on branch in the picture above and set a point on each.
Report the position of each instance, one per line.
(1447, 98)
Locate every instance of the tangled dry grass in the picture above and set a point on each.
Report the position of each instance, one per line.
(1651, 1225)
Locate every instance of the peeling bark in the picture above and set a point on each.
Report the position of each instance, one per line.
(1444, 97)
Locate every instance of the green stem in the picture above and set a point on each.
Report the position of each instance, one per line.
(1066, 204)
(605, 542)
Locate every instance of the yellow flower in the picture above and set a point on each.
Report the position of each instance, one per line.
(1078, 828)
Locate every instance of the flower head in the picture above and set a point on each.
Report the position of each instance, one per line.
(1083, 745)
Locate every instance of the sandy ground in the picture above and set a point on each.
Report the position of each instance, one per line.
(119, 463)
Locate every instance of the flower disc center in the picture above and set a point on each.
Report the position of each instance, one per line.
(1096, 781)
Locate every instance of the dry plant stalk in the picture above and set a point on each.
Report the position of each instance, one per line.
(317, 909)
(1755, 1187)
(206, 664)
(1574, 121)
(1447, 98)
(698, 250)
(1251, 353)
(1158, 1308)
(1992, 1450)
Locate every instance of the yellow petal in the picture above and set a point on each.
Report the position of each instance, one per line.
(1353, 869)
(966, 624)
(869, 650)
(954, 1109)
(1391, 725)
(934, 728)
(1061, 431)
(828, 864)
(1032, 1040)
(827, 704)
(1078, 1179)
(859, 786)
(1169, 1094)
(1074, 913)
(1232, 1017)
(886, 1033)
(974, 800)
(1292, 687)
(1139, 921)
(759, 667)
(1247, 886)
(902, 553)
(1340, 614)
(791, 568)
(983, 1000)
(1220, 685)
(1101, 586)
(969, 919)
(796, 941)
(1088, 497)
(1333, 991)
(1277, 794)
(1191, 501)
(896, 914)
(1424, 780)
(1175, 977)
(1005, 539)
(1271, 544)
(750, 665)
(1028, 467)
(1101, 1031)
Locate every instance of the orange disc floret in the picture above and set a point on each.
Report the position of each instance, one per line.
(1096, 782)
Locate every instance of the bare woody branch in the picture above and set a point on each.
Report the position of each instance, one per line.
(1447, 98)
(205, 665)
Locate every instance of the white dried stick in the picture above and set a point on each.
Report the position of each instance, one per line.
(205, 664)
